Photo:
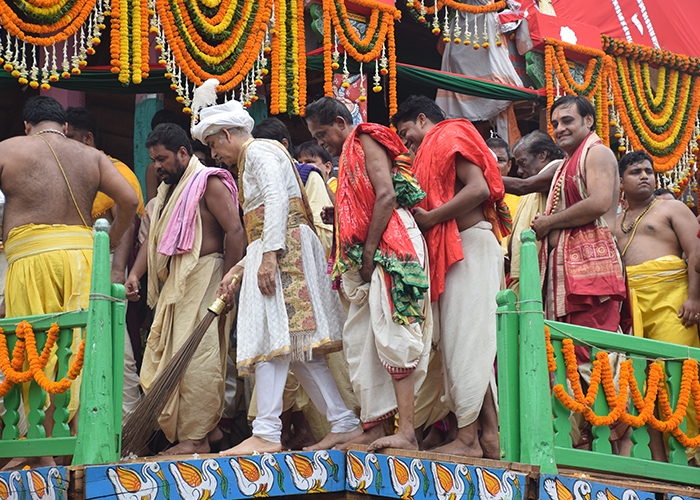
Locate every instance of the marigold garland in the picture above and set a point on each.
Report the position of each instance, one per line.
(301, 60)
(617, 401)
(369, 49)
(220, 39)
(461, 7)
(26, 348)
(642, 53)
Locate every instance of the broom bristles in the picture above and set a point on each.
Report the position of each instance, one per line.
(143, 421)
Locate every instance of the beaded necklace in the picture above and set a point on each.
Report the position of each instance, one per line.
(639, 217)
(51, 131)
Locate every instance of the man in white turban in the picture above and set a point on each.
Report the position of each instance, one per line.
(288, 318)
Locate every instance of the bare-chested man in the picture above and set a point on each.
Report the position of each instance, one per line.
(460, 222)
(82, 127)
(195, 237)
(653, 234)
(50, 183)
(381, 257)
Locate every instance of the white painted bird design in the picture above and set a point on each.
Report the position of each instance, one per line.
(44, 489)
(405, 479)
(360, 475)
(309, 474)
(607, 495)
(557, 491)
(8, 489)
(493, 488)
(129, 485)
(448, 486)
(257, 480)
(193, 484)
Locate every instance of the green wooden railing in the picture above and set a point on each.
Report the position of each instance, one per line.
(99, 429)
(535, 426)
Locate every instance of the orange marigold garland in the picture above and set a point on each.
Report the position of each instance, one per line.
(380, 31)
(42, 24)
(617, 401)
(301, 58)
(26, 348)
(196, 47)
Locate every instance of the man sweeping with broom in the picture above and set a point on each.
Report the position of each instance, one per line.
(288, 316)
(195, 238)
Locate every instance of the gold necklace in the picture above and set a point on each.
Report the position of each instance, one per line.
(51, 131)
(639, 217)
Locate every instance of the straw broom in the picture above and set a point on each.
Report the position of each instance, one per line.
(143, 421)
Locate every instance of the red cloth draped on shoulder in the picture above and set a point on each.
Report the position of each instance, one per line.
(354, 203)
(434, 167)
(586, 258)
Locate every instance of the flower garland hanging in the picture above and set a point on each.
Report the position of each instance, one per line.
(49, 26)
(419, 10)
(379, 37)
(26, 348)
(221, 40)
(288, 59)
(617, 402)
(642, 53)
(666, 137)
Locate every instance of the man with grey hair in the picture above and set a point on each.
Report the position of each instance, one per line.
(288, 316)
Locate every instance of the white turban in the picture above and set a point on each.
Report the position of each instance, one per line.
(214, 118)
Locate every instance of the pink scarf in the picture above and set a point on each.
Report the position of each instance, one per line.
(179, 233)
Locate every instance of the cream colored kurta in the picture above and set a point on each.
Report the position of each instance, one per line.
(189, 286)
(269, 180)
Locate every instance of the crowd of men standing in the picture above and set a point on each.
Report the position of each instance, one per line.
(354, 298)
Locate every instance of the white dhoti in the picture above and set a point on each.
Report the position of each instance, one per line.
(375, 346)
(468, 322)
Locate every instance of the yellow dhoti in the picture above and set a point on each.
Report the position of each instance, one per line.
(658, 289)
(49, 269)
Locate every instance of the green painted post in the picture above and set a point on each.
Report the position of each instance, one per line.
(118, 332)
(560, 424)
(601, 433)
(639, 435)
(146, 106)
(537, 436)
(674, 373)
(508, 386)
(95, 440)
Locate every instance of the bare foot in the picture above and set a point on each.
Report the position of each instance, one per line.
(19, 463)
(215, 435)
(365, 437)
(435, 437)
(461, 446)
(302, 439)
(491, 447)
(337, 439)
(398, 440)
(188, 447)
(252, 445)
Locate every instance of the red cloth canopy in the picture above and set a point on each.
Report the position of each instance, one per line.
(664, 24)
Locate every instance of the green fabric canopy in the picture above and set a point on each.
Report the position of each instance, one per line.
(448, 81)
(105, 81)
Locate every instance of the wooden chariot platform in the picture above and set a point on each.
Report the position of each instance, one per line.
(328, 474)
